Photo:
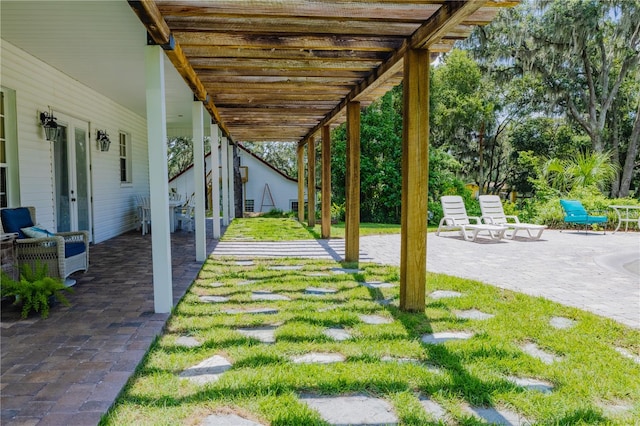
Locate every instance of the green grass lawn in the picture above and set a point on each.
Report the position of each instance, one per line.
(593, 383)
(287, 229)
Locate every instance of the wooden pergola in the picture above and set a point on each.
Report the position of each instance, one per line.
(287, 70)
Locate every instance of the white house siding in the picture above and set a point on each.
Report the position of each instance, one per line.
(283, 190)
(38, 86)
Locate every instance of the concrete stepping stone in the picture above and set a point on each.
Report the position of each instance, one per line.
(625, 353)
(263, 334)
(437, 338)
(188, 341)
(533, 350)
(319, 291)
(317, 274)
(207, 371)
(346, 271)
(400, 360)
(561, 323)
(443, 294)
(433, 408)
(245, 263)
(214, 299)
(497, 416)
(285, 267)
(227, 420)
(318, 358)
(251, 311)
(267, 295)
(247, 282)
(352, 410)
(473, 314)
(328, 308)
(338, 334)
(387, 302)
(376, 284)
(216, 285)
(375, 319)
(532, 384)
(616, 408)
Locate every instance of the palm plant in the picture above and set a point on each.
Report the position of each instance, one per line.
(582, 170)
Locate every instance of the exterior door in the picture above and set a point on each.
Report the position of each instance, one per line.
(72, 177)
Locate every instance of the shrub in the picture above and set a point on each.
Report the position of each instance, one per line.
(34, 291)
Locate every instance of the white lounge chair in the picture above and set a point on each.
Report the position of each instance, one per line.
(493, 213)
(455, 217)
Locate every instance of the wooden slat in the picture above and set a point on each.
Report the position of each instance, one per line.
(273, 41)
(292, 26)
(379, 11)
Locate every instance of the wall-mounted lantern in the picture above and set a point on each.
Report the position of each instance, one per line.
(49, 124)
(103, 140)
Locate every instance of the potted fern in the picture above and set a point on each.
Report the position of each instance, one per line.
(34, 291)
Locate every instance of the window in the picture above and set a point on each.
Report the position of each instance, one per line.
(4, 202)
(249, 206)
(294, 205)
(125, 158)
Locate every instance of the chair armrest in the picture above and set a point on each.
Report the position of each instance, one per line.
(32, 246)
(79, 236)
(476, 218)
(444, 221)
(514, 218)
(486, 219)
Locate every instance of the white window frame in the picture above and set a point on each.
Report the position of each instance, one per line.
(124, 155)
(10, 138)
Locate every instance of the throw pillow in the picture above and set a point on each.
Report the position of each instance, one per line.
(37, 232)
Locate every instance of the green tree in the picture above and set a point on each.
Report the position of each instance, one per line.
(180, 153)
(582, 52)
(281, 155)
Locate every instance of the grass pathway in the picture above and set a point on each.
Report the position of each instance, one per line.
(271, 342)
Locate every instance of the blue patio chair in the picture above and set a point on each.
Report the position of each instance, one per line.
(575, 213)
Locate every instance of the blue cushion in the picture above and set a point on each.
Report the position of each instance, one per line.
(13, 220)
(573, 208)
(72, 249)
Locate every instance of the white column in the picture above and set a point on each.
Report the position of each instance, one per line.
(225, 180)
(215, 179)
(232, 186)
(158, 183)
(198, 180)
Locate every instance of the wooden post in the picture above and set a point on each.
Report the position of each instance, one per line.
(326, 182)
(352, 186)
(415, 179)
(311, 184)
(300, 184)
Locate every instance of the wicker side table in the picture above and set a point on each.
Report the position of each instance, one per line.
(8, 255)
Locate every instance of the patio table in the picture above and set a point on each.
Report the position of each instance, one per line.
(627, 214)
(172, 213)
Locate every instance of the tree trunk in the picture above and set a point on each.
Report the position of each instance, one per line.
(615, 152)
(630, 160)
